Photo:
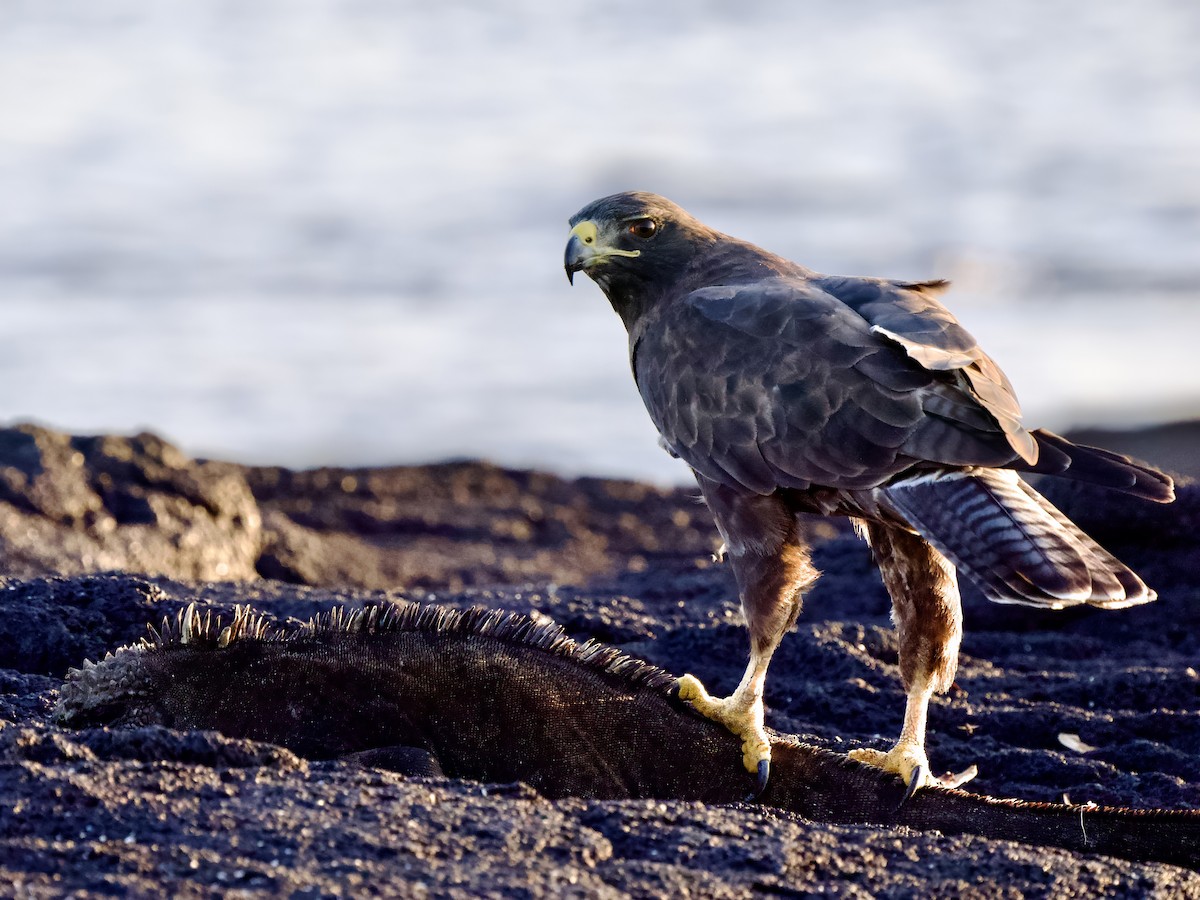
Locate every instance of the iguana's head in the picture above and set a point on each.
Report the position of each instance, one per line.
(146, 683)
(110, 692)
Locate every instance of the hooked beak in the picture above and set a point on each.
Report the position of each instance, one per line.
(575, 258)
(581, 249)
(584, 249)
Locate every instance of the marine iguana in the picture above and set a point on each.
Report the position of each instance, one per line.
(500, 697)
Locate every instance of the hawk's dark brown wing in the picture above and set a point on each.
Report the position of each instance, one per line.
(909, 314)
(781, 383)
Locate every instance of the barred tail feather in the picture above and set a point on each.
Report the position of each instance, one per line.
(1135, 590)
(1011, 541)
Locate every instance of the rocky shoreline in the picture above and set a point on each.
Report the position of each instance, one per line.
(102, 535)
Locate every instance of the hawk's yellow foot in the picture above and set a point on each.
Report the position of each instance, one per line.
(905, 759)
(908, 760)
(740, 713)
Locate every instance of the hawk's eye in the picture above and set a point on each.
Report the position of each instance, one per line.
(643, 228)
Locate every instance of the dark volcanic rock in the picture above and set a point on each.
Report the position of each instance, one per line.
(153, 811)
(335, 830)
(84, 504)
(50, 624)
(458, 525)
(70, 505)
(147, 809)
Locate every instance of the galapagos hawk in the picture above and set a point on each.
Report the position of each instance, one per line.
(791, 392)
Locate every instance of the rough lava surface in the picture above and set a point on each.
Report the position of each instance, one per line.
(101, 535)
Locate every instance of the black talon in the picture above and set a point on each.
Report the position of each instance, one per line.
(915, 782)
(760, 782)
(763, 775)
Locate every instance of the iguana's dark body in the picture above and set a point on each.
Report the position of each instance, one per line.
(501, 698)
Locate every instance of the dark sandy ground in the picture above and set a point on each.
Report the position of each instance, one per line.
(154, 811)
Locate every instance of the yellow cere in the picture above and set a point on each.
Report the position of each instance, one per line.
(586, 232)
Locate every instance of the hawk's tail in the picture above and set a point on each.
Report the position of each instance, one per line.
(1010, 541)
(1058, 456)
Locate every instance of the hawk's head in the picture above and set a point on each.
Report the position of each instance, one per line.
(634, 242)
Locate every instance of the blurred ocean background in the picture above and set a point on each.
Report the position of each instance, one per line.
(303, 232)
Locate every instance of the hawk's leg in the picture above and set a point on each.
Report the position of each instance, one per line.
(928, 617)
(772, 568)
(741, 712)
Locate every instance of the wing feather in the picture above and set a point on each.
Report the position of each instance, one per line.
(780, 383)
(909, 315)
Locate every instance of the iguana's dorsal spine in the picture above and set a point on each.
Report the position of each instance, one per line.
(189, 628)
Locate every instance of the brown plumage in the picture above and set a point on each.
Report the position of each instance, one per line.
(788, 392)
